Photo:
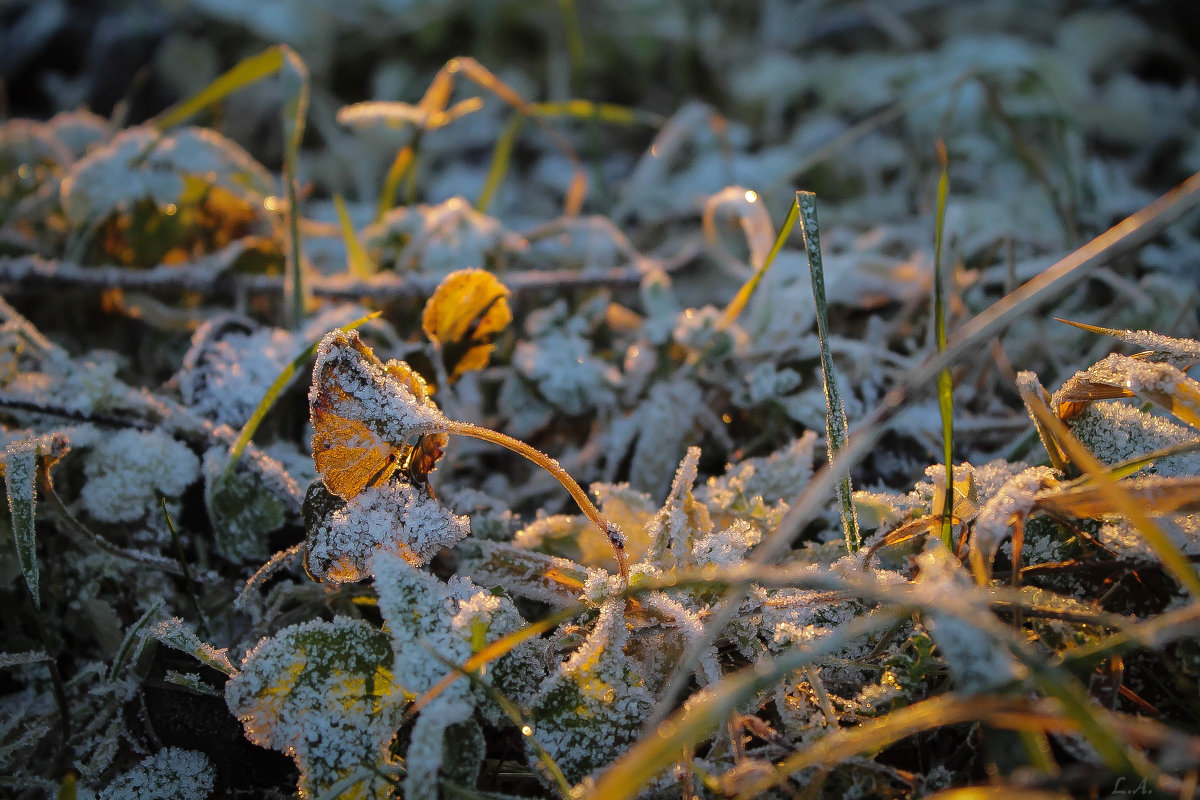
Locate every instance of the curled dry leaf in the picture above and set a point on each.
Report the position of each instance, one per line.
(465, 313)
(363, 411)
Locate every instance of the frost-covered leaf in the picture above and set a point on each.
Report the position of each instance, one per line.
(1115, 432)
(664, 425)
(363, 411)
(467, 311)
(140, 164)
(323, 693)
(433, 738)
(593, 706)
(523, 572)
(1011, 503)
(170, 774)
(128, 470)
(439, 239)
(681, 520)
(19, 474)
(560, 362)
(177, 634)
(229, 366)
(455, 620)
(396, 516)
(967, 634)
(241, 507)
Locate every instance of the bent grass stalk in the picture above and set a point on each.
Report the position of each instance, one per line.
(610, 530)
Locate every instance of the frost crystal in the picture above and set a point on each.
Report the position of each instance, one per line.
(322, 693)
(170, 774)
(452, 620)
(395, 516)
(968, 635)
(140, 163)
(126, 471)
(591, 709)
(1013, 500)
(229, 367)
(177, 634)
(1115, 431)
(350, 383)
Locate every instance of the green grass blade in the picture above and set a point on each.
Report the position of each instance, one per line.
(248, 71)
(295, 113)
(20, 470)
(945, 382)
(360, 264)
(739, 301)
(277, 386)
(836, 425)
(609, 113)
(183, 564)
(501, 158)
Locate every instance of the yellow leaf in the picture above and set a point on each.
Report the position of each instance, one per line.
(465, 313)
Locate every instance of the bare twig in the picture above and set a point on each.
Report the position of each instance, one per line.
(35, 271)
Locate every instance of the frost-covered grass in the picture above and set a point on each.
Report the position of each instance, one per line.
(576, 513)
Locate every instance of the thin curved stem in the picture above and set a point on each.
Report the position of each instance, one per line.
(612, 532)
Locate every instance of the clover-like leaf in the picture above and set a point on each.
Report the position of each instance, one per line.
(323, 693)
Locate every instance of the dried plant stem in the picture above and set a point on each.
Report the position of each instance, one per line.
(836, 425)
(208, 279)
(610, 530)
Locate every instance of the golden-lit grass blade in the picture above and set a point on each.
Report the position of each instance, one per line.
(360, 264)
(739, 301)
(997, 793)
(272, 394)
(906, 533)
(1156, 496)
(610, 113)
(945, 382)
(246, 72)
(401, 164)
(1027, 383)
(501, 158)
(1171, 556)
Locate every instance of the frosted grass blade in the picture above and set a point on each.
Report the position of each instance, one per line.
(836, 426)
